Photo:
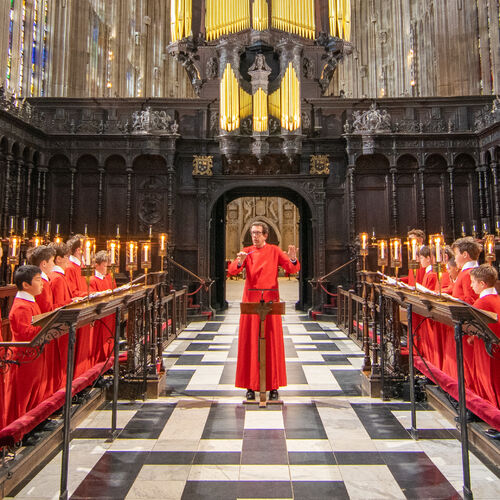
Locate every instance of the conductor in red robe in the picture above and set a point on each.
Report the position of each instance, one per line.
(260, 262)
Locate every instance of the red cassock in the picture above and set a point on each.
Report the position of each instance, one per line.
(104, 329)
(426, 336)
(410, 279)
(4, 384)
(462, 290)
(45, 302)
(61, 296)
(84, 341)
(261, 266)
(25, 378)
(487, 368)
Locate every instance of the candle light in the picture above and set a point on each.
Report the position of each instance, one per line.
(363, 238)
(112, 254)
(150, 232)
(24, 226)
(36, 227)
(47, 229)
(118, 230)
(37, 241)
(489, 245)
(462, 229)
(131, 253)
(11, 224)
(414, 249)
(87, 252)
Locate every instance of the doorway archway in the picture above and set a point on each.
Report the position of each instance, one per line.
(218, 239)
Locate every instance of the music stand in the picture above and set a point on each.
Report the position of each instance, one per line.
(262, 309)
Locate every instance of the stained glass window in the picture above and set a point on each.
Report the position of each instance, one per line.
(21, 48)
(11, 35)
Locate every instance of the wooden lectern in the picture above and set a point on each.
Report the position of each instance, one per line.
(262, 309)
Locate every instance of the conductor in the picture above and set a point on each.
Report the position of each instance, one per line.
(261, 262)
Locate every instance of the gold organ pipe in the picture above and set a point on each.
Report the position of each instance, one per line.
(332, 11)
(347, 20)
(340, 17)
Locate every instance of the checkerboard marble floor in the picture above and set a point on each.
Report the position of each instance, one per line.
(325, 442)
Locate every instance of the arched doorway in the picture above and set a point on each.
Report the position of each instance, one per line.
(218, 232)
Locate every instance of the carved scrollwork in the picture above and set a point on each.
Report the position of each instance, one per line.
(149, 121)
(476, 328)
(372, 121)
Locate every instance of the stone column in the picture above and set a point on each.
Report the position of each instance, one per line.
(130, 172)
(451, 193)
(170, 197)
(6, 201)
(480, 191)
(101, 171)
(72, 199)
(394, 201)
(19, 186)
(422, 209)
(352, 202)
(29, 173)
(494, 176)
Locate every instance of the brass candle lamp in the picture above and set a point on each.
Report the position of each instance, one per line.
(131, 259)
(437, 245)
(396, 254)
(146, 260)
(489, 249)
(57, 237)
(162, 248)
(382, 254)
(47, 231)
(88, 258)
(463, 232)
(14, 254)
(36, 241)
(113, 248)
(363, 247)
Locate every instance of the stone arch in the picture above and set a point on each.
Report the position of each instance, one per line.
(464, 161)
(87, 162)
(406, 162)
(269, 222)
(115, 163)
(435, 162)
(372, 162)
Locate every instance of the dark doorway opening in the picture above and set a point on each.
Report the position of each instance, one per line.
(218, 241)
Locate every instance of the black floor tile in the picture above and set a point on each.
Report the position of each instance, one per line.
(318, 336)
(91, 433)
(264, 489)
(264, 446)
(417, 475)
(319, 490)
(198, 346)
(312, 327)
(303, 422)
(177, 381)
(326, 346)
(209, 490)
(228, 373)
(170, 458)
(438, 433)
(359, 458)
(112, 476)
(290, 351)
(211, 327)
(189, 359)
(379, 422)
(148, 422)
(224, 422)
(311, 458)
(349, 381)
(204, 336)
(335, 359)
(217, 458)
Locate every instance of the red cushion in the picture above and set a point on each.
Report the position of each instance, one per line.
(14, 432)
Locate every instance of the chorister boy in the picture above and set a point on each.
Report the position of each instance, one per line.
(105, 327)
(486, 367)
(77, 283)
(58, 281)
(466, 252)
(43, 257)
(26, 379)
(429, 279)
(101, 280)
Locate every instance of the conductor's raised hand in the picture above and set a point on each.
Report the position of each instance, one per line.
(292, 252)
(240, 257)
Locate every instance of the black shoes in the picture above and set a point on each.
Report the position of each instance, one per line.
(250, 395)
(273, 395)
(493, 434)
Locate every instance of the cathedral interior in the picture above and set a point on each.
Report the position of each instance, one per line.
(188, 120)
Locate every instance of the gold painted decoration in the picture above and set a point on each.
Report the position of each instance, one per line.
(223, 17)
(203, 165)
(290, 100)
(295, 16)
(319, 165)
(181, 15)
